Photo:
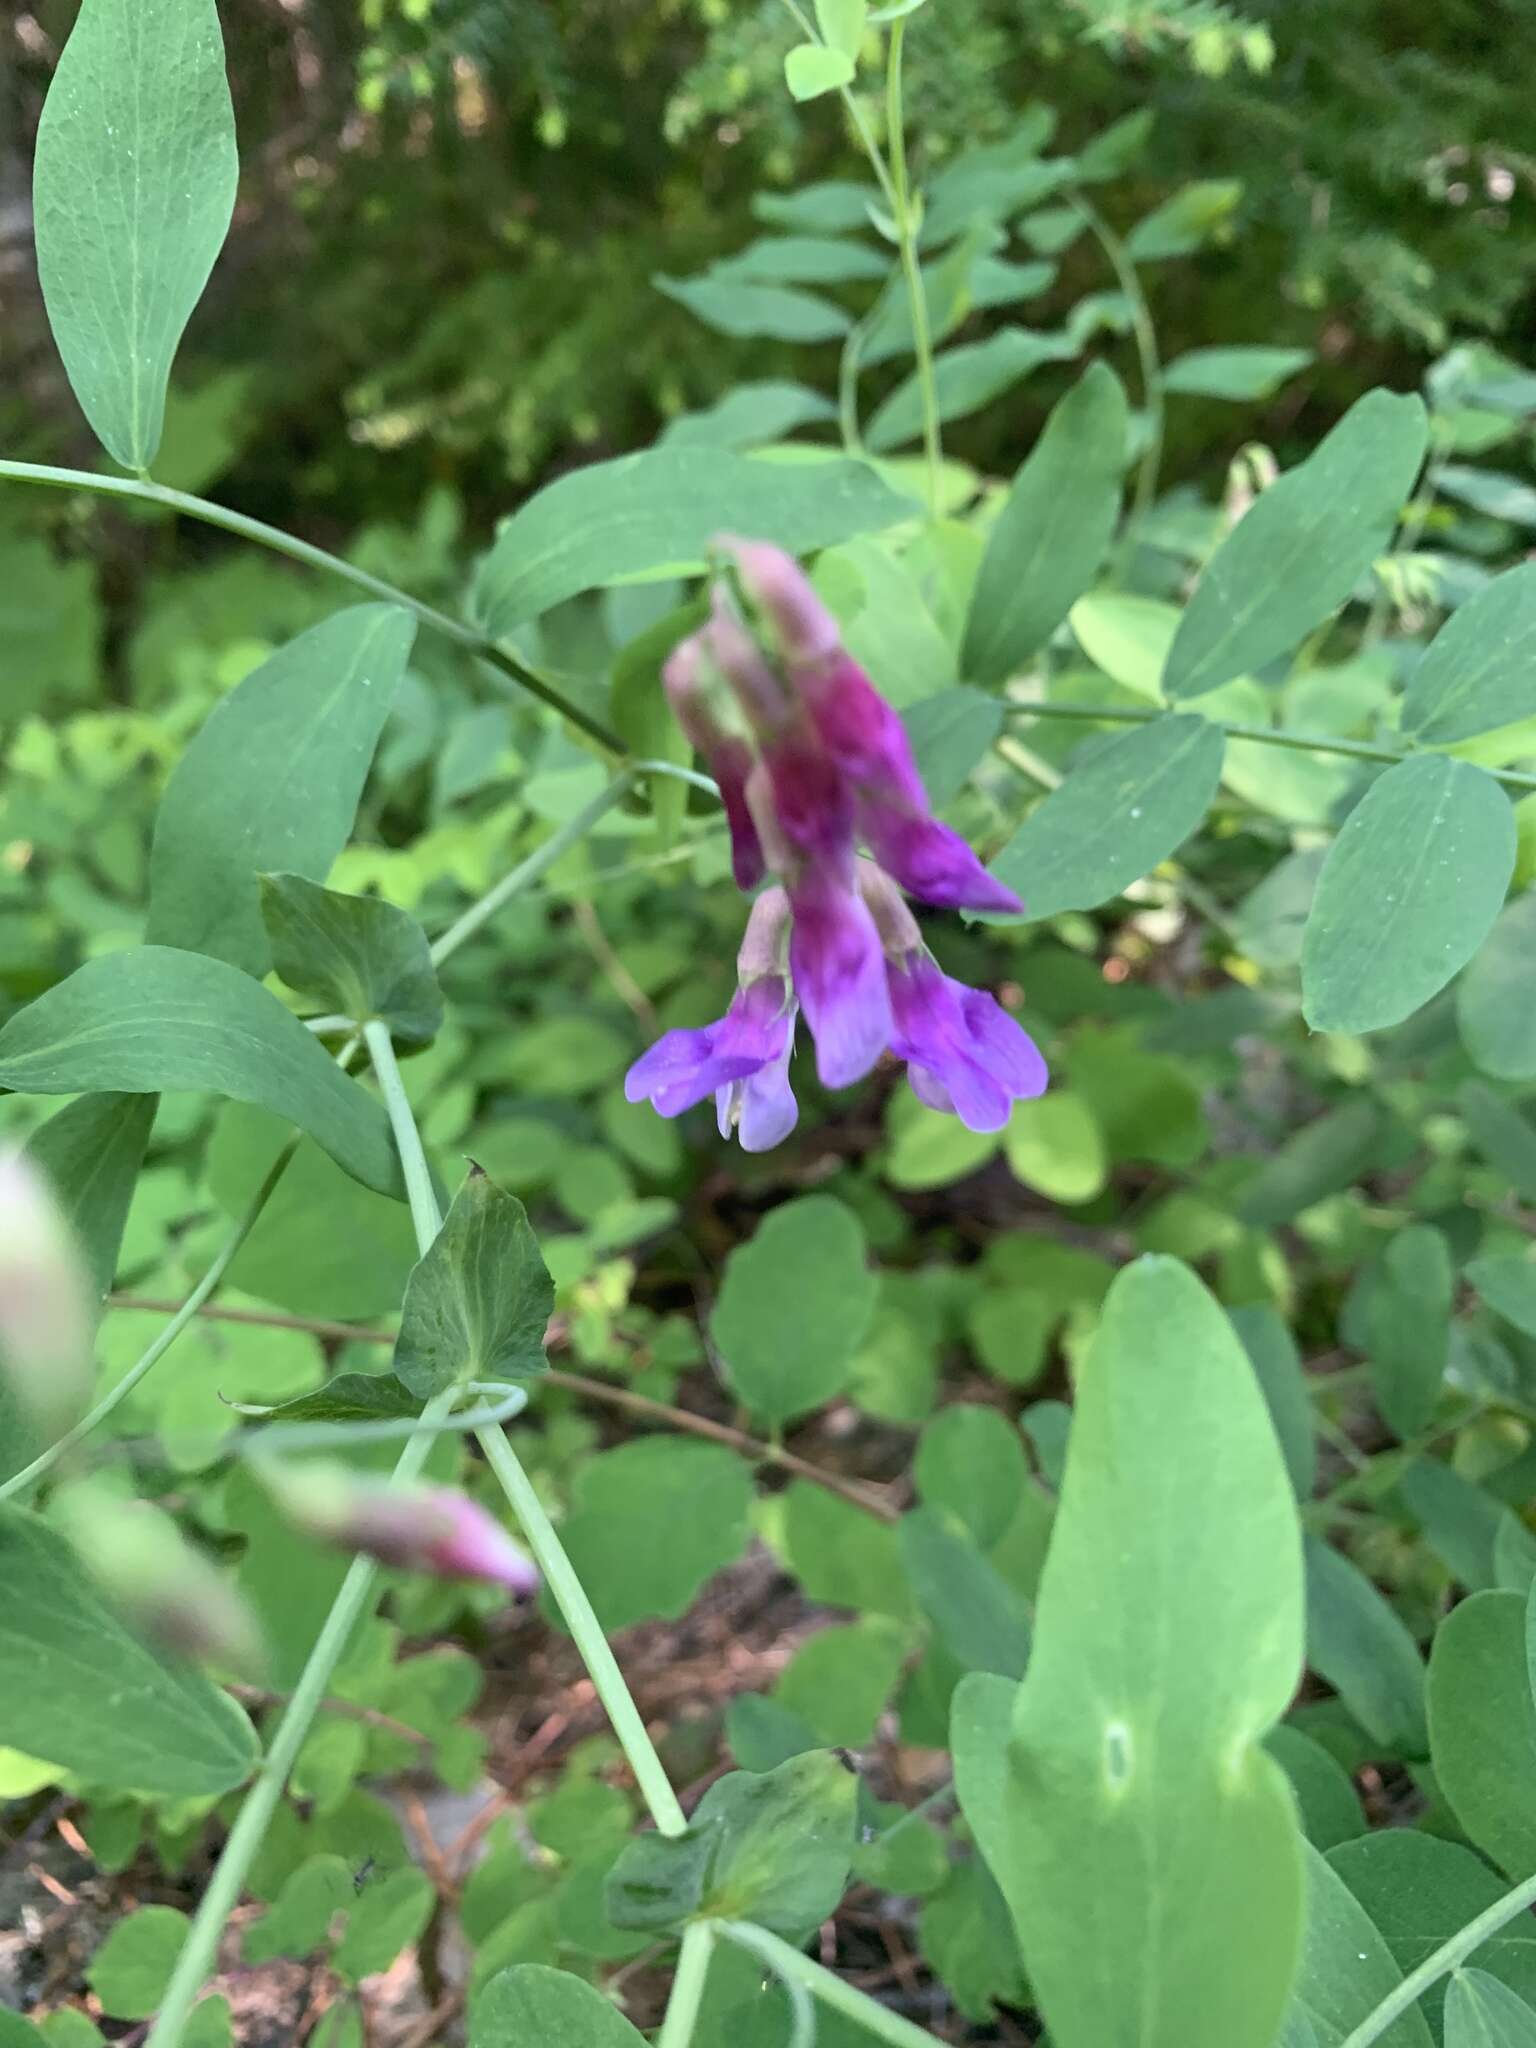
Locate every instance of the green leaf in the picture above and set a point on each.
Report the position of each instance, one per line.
(1408, 893)
(133, 190)
(1241, 374)
(1480, 2012)
(950, 734)
(655, 514)
(157, 1727)
(1482, 1727)
(1053, 531)
(1056, 1146)
(1167, 1640)
(1489, 491)
(757, 312)
(793, 1305)
(1420, 1890)
(842, 23)
(299, 1918)
(965, 1934)
(1346, 1970)
(1505, 1138)
(1182, 223)
(842, 1556)
(358, 955)
(640, 1558)
(389, 1915)
(965, 379)
(1508, 1284)
(751, 416)
(130, 1970)
(477, 1305)
(803, 259)
(1359, 1644)
(1319, 1160)
(532, 2006)
(1296, 555)
(1273, 1355)
(91, 1151)
(272, 781)
(1330, 1810)
(971, 1461)
(156, 1018)
(840, 1680)
(1475, 674)
(810, 70)
(774, 1849)
(978, 1617)
(1408, 1326)
(1128, 805)
(1496, 997)
(1460, 1521)
(836, 206)
(1128, 637)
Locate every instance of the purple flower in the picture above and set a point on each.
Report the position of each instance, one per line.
(729, 754)
(761, 1108)
(932, 862)
(964, 1053)
(838, 965)
(416, 1528)
(683, 1067)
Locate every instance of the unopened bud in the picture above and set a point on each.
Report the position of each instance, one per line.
(764, 947)
(803, 628)
(47, 1313)
(898, 928)
(424, 1529)
(728, 755)
(153, 1576)
(765, 703)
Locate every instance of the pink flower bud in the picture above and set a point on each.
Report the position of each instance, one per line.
(47, 1314)
(728, 755)
(424, 1529)
(805, 630)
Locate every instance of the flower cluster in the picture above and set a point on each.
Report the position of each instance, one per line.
(811, 762)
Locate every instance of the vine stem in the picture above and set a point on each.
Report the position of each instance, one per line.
(1145, 335)
(549, 1555)
(313, 557)
(1440, 1962)
(687, 1986)
(1263, 735)
(911, 269)
(788, 1964)
(245, 1837)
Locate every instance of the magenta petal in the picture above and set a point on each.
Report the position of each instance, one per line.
(862, 733)
(932, 862)
(961, 1042)
(474, 1545)
(838, 966)
(1003, 1046)
(929, 1089)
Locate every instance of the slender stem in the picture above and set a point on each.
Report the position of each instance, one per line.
(255, 1815)
(906, 233)
(1145, 335)
(313, 557)
(1262, 735)
(854, 111)
(687, 1993)
(529, 870)
(602, 1667)
(1440, 1962)
(21, 1482)
(792, 1967)
(425, 1214)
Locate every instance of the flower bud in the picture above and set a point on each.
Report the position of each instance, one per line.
(172, 1593)
(47, 1313)
(416, 1528)
(802, 626)
(728, 755)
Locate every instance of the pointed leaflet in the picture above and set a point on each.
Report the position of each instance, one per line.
(132, 194)
(155, 1018)
(92, 1151)
(1346, 1969)
(1050, 537)
(1475, 674)
(532, 2006)
(1132, 802)
(656, 513)
(1298, 553)
(361, 956)
(1480, 2012)
(1407, 894)
(1496, 997)
(76, 1689)
(477, 1306)
(1482, 1727)
(964, 380)
(272, 781)
(1167, 1640)
(1362, 1647)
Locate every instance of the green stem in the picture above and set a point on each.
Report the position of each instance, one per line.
(304, 551)
(911, 269)
(529, 870)
(687, 1993)
(246, 1836)
(1263, 735)
(1145, 335)
(23, 1481)
(792, 1967)
(848, 391)
(559, 1573)
(1440, 1963)
(586, 1630)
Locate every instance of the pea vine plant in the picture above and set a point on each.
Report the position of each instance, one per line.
(1158, 1658)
